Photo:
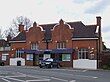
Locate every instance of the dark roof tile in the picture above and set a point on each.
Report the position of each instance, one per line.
(83, 31)
(80, 31)
(47, 33)
(3, 43)
(20, 37)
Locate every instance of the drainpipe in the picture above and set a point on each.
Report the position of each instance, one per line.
(47, 44)
(99, 33)
(99, 42)
(97, 57)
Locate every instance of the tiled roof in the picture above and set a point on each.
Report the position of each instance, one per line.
(47, 32)
(83, 31)
(3, 43)
(91, 29)
(20, 37)
(80, 31)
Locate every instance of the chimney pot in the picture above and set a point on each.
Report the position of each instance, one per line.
(34, 24)
(98, 21)
(21, 27)
(9, 37)
(61, 21)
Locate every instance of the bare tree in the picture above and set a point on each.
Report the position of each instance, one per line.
(10, 31)
(13, 29)
(26, 21)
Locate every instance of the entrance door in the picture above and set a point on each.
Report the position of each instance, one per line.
(35, 59)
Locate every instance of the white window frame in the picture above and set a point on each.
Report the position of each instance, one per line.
(4, 56)
(18, 54)
(61, 45)
(83, 53)
(34, 46)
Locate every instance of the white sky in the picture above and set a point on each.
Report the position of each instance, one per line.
(51, 11)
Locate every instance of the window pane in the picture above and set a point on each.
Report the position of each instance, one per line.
(18, 54)
(86, 55)
(60, 57)
(79, 55)
(4, 57)
(46, 56)
(65, 57)
(64, 44)
(29, 57)
(34, 46)
(83, 53)
(61, 44)
(58, 45)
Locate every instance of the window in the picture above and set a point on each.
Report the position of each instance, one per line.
(66, 57)
(18, 54)
(83, 53)
(46, 56)
(34, 46)
(4, 56)
(29, 57)
(61, 44)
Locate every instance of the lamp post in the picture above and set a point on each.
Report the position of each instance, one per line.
(47, 44)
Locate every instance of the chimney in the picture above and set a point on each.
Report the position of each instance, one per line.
(99, 24)
(9, 37)
(98, 21)
(21, 27)
(99, 33)
(34, 24)
(61, 22)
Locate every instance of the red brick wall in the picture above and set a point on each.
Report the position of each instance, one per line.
(86, 44)
(29, 63)
(61, 32)
(66, 64)
(35, 35)
(15, 46)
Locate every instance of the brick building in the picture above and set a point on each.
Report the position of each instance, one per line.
(73, 43)
(4, 51)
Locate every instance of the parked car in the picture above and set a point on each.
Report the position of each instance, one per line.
(2, 63)
(49, 63)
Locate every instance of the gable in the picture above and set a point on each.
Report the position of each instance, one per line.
(35, 34)
(62, 31)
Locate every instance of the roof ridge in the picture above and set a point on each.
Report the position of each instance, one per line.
(47, 24)
(74, 22)
(91, 25)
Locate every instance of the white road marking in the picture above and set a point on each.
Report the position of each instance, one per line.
(84, 70)
(72, 81)
(74, 70)
(86, 76)
(15, 76)
(95, 77)
(59, 79)
(5, 80)
(15, 79)
(38, 80)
